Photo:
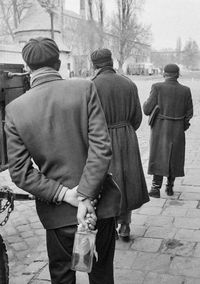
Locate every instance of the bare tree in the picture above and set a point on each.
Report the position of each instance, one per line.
(94, 27)
(90, 10)
(15, 13)
(100, 11)
(128, 33)
(178, 50)
(11, 13)
(101, 15)
(5, 19)
(91, 25)
(191, 54)
(50, 6)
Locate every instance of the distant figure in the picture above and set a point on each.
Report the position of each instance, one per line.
(167, 142)
(121, 105)
(71, 75)
(68, 73)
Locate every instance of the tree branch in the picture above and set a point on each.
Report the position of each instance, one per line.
(5, 18)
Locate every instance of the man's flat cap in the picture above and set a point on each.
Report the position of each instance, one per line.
(101, 55)
(40, 51)
(171, 68)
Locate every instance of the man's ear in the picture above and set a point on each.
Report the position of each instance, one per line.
(28, 69)
(94, 66)
(57, 65)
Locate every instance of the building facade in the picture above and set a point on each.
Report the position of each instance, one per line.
(76, 35)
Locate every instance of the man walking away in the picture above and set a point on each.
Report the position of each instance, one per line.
(167, 141)
(121, 105)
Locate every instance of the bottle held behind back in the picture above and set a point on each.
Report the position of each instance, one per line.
(83, 250)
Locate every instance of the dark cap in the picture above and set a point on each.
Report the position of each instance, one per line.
(39, 52)
(101, 56)
(171, 68)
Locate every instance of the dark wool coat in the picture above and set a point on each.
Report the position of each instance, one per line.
(61, 125)
(167, 141)
(121, 105)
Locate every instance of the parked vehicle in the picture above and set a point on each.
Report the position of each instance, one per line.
(142, 68)
(7, 198)
(14, 82)
(4, 271)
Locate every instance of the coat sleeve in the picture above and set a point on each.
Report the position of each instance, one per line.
(21, 169)
(137, 118)
(151, 102)
(99, 151)
(189, 111)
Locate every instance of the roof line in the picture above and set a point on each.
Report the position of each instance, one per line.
(10, 51)
(41, 30)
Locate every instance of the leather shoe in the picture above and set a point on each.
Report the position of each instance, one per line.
(169, 191)
(124, 232)
(154, 192)
(116, 235)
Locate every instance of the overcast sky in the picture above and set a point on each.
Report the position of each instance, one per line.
(169, 19)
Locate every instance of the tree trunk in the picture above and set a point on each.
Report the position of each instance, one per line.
(120, 67)
(52, 24)
(90, 5)
(61, 18)
(14, 4)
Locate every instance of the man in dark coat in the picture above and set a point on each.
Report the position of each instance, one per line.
(60, 125)
(167, 141)
(121, 105)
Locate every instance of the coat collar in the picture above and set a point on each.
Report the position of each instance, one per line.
(171, 79)
(106, 69)
(44, 75)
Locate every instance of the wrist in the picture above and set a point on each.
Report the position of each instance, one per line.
(66, 196)
(61, 196)
(81, 198)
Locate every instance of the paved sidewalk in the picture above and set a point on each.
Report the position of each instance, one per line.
(165, 245)
(165, 233)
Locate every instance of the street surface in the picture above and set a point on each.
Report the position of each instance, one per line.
(165, 232)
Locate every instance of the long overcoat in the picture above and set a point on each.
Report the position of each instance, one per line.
(167, 140)
(61, 126)
(121, 105)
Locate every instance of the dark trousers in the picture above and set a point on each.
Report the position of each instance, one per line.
(124, 218)
(158, 180)
(60, 245)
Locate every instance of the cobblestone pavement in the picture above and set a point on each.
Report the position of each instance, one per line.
(165, 233)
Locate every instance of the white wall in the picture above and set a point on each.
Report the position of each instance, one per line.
(10, 54)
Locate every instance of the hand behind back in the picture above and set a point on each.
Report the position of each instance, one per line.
(86, 209)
